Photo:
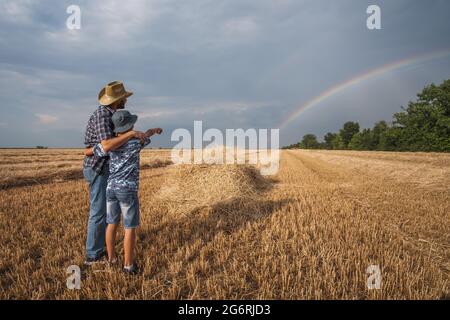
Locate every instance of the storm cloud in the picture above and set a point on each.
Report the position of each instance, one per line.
(232, 64)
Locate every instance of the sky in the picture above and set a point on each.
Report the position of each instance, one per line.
(232, 64)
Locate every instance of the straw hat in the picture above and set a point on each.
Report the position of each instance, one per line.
(112, 92)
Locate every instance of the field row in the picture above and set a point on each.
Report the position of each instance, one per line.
(30, 167)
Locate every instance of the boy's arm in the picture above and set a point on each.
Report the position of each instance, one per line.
(147, 141)
(148, 134)
(99, 150)
(151, 132)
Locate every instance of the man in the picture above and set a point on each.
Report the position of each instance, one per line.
(100, 129)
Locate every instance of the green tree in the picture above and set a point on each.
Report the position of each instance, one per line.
(390, 140)
(328, 140)
(379, 129)
(309, 141)
(425, 124)
(337, 143)
(292, 146)
(348, 131)
(362, 140)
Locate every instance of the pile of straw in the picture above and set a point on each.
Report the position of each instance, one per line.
(199, 186)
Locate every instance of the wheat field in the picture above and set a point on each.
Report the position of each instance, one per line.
(226, 232)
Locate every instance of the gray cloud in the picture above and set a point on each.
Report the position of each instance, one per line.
(230, 63)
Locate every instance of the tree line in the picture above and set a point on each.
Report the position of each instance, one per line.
(424, 125)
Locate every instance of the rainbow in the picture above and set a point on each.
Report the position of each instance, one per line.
(358, 79)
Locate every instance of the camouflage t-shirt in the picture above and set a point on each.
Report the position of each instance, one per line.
(123, 165)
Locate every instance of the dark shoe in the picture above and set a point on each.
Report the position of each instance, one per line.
(133, 270)
(90, 261)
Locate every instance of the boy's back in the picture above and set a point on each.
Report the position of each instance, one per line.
(124, 166)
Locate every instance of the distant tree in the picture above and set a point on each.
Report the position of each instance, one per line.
(292, 146)
(348, 131)
(379, 129)
(362, 140)
(309, 141)
(390, 140)
(328, 140)
(337, 143)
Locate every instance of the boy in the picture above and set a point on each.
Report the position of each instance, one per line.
(122, 189)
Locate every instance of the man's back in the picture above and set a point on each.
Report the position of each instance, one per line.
(99, 127)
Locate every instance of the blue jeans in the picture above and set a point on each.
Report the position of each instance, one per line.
(95, 242)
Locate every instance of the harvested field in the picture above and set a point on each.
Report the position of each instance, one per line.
(225, 232)
(19, 167)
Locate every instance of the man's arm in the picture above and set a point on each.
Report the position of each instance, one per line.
(105, 133)
(89, 152)
(114, 143)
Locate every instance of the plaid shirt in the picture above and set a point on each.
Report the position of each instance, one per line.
(99, 127)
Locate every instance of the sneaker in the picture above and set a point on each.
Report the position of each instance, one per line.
(132, 270)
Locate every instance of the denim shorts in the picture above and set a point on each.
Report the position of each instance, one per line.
(124, 203)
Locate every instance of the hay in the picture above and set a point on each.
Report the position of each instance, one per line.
(200, 186)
